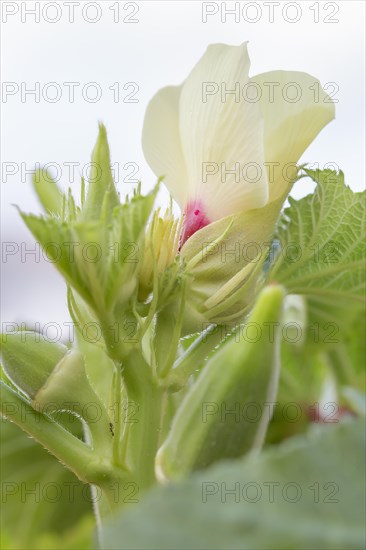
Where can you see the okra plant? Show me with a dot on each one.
(193, 333)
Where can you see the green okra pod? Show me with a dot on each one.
(228, 409)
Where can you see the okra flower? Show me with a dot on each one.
(196, 133)
(227, 145)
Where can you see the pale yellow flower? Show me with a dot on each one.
(227, 145)
(227, 142)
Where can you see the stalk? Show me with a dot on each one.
(69, 450)
(145, 434)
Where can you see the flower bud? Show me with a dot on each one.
(225, 260)
(161, 248)
(224, 414)
(29, 359)
(50, 374)
(67, 384)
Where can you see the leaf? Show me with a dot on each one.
(304, 377)
(322, 258)
(322, 254)
(351, 353)
(38, 494)
(80, 536)
(316, 501)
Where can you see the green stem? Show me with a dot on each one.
(87, 464)
(143, 438)
(72, 452)
(140, 440)
(100, 431)
(144, 434)
(118, 413)
(193, 357)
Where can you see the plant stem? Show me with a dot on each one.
(193, 357)
(143, 438)
(144, 434)
(87, 464)
(100, 432)
(72, 452)
(118, 413)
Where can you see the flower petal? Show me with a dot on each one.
(221, 133)
(161, 141)
(295, 108)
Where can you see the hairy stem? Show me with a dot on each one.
(72, 452)
(144, 434)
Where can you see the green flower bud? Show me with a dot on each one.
(68, 389)
(215, 419)
(225, 261)
(47, 372)
(54, 378)
(67, 383)
(29, 359)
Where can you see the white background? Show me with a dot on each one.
(160, 49)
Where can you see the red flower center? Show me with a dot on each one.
(194, 219)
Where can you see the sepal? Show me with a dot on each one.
(102, 195)
(48, 192)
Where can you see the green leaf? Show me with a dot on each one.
(322, 254)
(39, 495)
(349, 356)
(316, 501)
(80, 536)
(304, 377)
(318, 379)
(322, 258)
